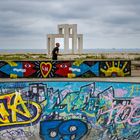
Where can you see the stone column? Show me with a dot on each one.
(48, 45)
(52, 44)
(80, 44)
(74, 38)
(66, 38)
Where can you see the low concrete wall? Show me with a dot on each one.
(69, 110)
(63, 69)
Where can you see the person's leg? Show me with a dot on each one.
(54, 58)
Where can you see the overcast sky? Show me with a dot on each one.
(104, 23)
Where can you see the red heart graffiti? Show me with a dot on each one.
(45, 68)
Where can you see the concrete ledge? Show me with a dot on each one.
(116, 79)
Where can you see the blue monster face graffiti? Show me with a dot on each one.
(66, 130)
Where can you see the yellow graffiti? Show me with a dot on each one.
(13, 105)
(135, 88)
(11, 63)
(13, 76)
(115, 69)
(71, 75)
(78, 62)
(45, 68)
(4, 114)
(44, 103)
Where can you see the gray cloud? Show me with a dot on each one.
(33, 19)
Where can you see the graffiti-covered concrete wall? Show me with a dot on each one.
(69, 111)
(60, 69)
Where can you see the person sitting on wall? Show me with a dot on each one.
(55, 51)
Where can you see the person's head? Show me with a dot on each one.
(57, 44)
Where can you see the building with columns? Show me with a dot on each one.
(66, 31)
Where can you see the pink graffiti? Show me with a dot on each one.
(108, 97)
(123, 114)
(65, 92)
(120, 92)
(135, 100)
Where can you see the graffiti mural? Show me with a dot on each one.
(71, 69)
(115, 68)
(16, 111)
(59, 129)
(70, 110)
